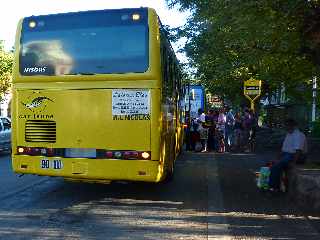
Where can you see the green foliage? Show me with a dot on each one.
(6, 62)
(232, 41)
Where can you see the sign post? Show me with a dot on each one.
(252, 90)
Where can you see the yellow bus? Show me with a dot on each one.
(96, 97)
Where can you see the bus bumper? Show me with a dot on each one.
(90, 169)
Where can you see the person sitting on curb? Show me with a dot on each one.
(294, 149)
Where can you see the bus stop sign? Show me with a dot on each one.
(252, 88)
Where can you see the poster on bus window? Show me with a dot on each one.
(130, 102)
(196, 100)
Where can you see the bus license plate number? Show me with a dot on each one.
(51, 164)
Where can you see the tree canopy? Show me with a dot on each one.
(6, 62)
(271, 40)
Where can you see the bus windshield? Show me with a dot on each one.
(98, 42)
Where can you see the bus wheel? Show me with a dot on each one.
(169, 172)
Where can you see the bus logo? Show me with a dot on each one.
(37, 103)
(35, 69)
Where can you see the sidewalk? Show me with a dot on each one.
(218, 228)
(304, 186)
(238, 210)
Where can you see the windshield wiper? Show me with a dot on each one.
(84, 73)
(80, 73)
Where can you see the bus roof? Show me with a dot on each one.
(124, 10)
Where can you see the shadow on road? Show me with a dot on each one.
(62, 210)
(180, 209)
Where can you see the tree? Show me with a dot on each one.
(6, 62)
(232, 41)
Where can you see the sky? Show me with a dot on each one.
(14, 10)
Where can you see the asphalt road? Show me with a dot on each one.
(211, 197)
(11, 183)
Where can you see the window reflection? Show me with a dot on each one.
(46, 58)
(91, 50)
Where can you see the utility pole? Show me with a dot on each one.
(188, 120)
(314, 98)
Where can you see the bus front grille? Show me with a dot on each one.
(40, 131)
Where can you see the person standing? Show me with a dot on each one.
(192, 134)
(238, 128)
(210, 123)
(247, 124)
(221, 127)
(203, 131)
(253, 129)
(229, 127)
(216, 132)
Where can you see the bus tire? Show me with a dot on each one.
(169, 173)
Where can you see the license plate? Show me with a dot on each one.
(80, 153)
(56, 164)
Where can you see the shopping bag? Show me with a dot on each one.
(263, 178)
(198, 147)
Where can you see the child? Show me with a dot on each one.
(204, 138)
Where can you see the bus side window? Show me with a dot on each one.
(164, 72)
(177, 82)
(171, 77)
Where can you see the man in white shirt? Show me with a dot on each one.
(201, 116)
(294, 149)
(203, 130)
